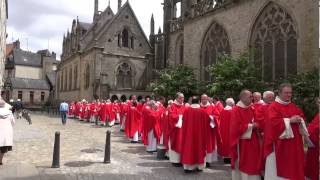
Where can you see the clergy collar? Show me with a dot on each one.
(240, 104)
(195, 106)
(260, 102)
(228, 107)
(206, 105)
(177, 103)
(278, 100)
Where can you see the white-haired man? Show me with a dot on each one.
(262, 111)
(225, 121)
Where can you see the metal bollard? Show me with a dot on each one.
(56, 151)
(107, 150)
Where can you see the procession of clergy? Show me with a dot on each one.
(263, 138)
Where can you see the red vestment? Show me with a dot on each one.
(93, 109)
(289, 153)
(151, 121)
(102, 112)
(175, 133)
(312, 157)
(133, 121)
(214, 137)
(194, 132)
(225, 125)
(250, 148)
(164, 125)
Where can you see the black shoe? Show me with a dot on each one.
(1, 164)
(176, 164)
(134, 142)
(199, 170)
(208, 165)
(187, 171)
(227, 160)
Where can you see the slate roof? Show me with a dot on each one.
(26, 58)
(36, 84)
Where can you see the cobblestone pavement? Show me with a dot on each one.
(82, 152)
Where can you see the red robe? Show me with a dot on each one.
(102, 112)
(261, 115)
(133, 121)
(312, 157)
(71, 110)
(289, 152)
(151, 121)
(77, 110)
(194, 133)
(214, 137)
(93, 109)
(219, 106)
(225, 125)
(164, 124)
(108, 112)
(250, 149)
(175, 134)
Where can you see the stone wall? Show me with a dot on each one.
(28, 72)
(26, 96)
(238, 20)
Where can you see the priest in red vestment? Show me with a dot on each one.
(257, 100)
(312, 157)
(245, 142)
(262, 110)
(176, 111)
(283, 144)
(195, 136)
(133, 122)
(218, 104)
(213, 136)
(225, 125)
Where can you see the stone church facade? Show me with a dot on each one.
(112, 57)
(108, 58)
(284, 34)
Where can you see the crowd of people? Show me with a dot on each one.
(262, 135)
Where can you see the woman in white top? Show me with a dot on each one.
(6, 129)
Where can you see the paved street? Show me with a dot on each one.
(82, 152)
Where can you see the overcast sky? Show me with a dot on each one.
(40, 24)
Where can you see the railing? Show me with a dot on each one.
(176, 24)
(205, 6)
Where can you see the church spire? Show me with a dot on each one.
(152, 25)
(96, 9)
(119, 4)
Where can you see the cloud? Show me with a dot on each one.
(40, 24)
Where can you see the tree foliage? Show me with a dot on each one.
(175, 79)
(231, 75)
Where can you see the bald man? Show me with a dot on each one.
(245, 147)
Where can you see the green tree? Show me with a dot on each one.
(175, 79)
(231, 75)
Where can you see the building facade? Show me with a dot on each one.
(283, 34)
(3, 36)
(28, 75)
(112, 57)
(108, 58)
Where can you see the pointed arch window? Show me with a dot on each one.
(274, 40)
(124, 76)
(87, 76)
(215, 44)
(125, 38)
